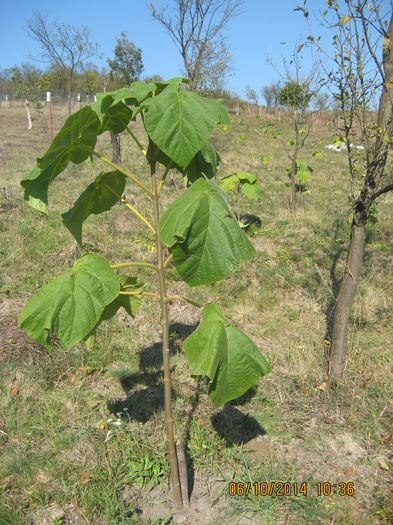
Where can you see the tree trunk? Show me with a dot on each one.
(116, 152)
(69, 94)
(293, 187)
(30, 124)
(345, 297)
(165, 348)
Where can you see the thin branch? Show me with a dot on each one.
(131, 208)
(137, 264)
(135, 139)
(184, 300)
(380, 192)
(162, 180)
(168, 260)
(124, 172)
(146, 294)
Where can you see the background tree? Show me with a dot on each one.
(63, 46)
(195, 27)
(127, 65)
(5, 85)
(295, 95)
(25, 81)
(361, 71)
(88, 82)
(270, 94)
(251, 95)
(322, 101)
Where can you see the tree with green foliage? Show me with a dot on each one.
(26, 85)
(197, 234)
(294, 95)
(126, 66)
(358, 72)
(88, 82)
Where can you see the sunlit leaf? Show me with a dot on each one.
(204, 236)
(225, 355)
(180, 122)
(71, 304)
(75, 142)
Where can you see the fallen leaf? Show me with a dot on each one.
(383, 465)
(101, 424)
(85, 478)
(13, 390)
(329, 421)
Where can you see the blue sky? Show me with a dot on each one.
(256, 33)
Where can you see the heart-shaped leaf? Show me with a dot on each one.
(225, 355)
(180, 122)
(72, 303)
(204, 236)
(75, 142)
(99, 196)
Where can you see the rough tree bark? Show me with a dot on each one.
(116, 151)
(369, 192)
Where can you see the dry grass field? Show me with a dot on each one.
(82, 432)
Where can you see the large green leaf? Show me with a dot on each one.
(252, 191)
(75, 142)
(204, 163)
(99, 196)
(247, 181)
(204, 237)
(225, 355)
(116, 119)
(228, 182)
(180, 122)
(72, 303)
(132, 95)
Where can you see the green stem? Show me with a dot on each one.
(183, 299)
(135, 139)
(165, 346)
(139, 215)
(162, 180)
(130, 264)
(123, 172)
(168, 260)
(147, 294)
(134, 211)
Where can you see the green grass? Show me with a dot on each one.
(58, 443)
